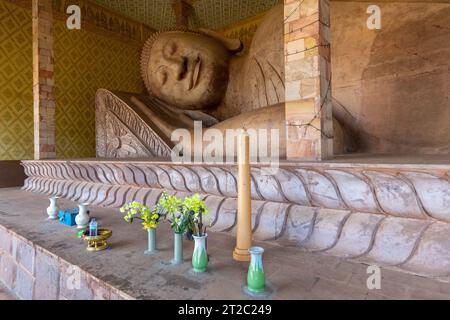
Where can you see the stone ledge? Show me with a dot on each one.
(124, 272)
(32, 272)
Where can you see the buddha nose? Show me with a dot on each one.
(179, 65)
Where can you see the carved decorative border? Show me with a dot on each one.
(107, 102)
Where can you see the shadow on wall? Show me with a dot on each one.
(11, 174)
(404, 89)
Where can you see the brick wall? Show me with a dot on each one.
(308, 80)
(32, 272)
(43, 80)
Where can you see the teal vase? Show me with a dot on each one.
(256, 280)
(178, 249)
(151, 241)
(200, 257)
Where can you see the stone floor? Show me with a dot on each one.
(292, 273)
(5, 294)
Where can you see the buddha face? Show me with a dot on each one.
(188, 70)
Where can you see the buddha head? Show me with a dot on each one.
(188, 69)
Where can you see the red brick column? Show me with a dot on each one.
(43, 80)
(183, 10)
(309, 121)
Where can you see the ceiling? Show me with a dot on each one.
(213, 14)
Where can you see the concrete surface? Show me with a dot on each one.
(292, 273)
(5, 294)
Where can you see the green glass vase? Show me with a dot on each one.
(256, 279)
(178, 249)
(151, 241)
(200, 257)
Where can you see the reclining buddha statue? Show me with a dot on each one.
(197, 76)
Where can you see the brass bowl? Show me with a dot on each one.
(99, 242)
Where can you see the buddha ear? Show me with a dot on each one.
(233, 45)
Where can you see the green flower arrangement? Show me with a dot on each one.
(196, 209)
(173, 207)
(184, 215)
(136, 210)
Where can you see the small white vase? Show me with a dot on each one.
(53, 209)
(82, 218)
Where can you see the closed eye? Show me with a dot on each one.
(162, 75)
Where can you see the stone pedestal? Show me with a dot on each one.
(387, 214)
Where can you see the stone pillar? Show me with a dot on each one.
(309, 121)
(43, 80)
(183, 10)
